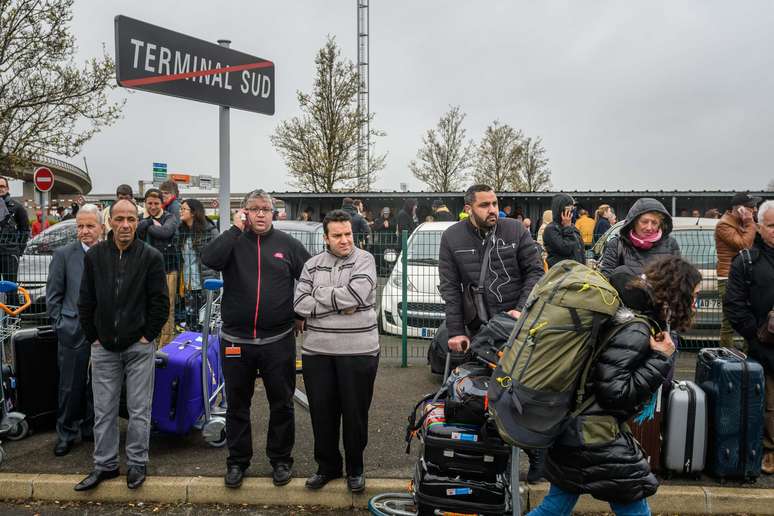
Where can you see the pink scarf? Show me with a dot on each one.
(644, 243)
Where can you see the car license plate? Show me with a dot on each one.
(708, 304)
(427, 333)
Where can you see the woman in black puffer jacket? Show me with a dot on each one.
(644, 236)
(597, 454)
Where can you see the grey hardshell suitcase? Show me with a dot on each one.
(685, 436)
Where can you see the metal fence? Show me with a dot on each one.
(409, 305)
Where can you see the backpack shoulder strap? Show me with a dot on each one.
(596, 324)
(581, 404)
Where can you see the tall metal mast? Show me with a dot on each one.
(363, 103)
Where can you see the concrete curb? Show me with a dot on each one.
(261, 491)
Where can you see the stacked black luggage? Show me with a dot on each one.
(463, 464)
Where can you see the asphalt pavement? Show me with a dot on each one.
(397, 390)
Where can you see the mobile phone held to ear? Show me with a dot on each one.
(242, 216)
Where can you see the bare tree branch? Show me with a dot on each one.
(536, 175)
(445, 157)
(47, 104)
(498, 158)
(320, 146)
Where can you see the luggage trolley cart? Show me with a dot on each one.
(213, 423)
(13, 425)
(402, 504)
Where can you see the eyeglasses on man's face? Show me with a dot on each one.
(259, 211)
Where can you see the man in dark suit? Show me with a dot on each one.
(76, 413)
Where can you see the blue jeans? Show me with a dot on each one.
(560, 503)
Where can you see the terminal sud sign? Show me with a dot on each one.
(152, 58)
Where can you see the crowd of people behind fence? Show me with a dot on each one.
(275, 290)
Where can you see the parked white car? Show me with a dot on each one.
(425, 307)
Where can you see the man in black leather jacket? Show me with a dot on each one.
(514, 263)
(514, 268)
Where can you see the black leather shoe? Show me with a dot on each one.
(234, 476)
(282, 474)
(62, 448)
(356, 483)
(318, 481)
(95, 478)
(135, 476)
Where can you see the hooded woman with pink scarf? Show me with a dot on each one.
(645, 235)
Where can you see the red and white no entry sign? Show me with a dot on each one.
(44, 179)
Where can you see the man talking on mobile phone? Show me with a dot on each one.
(735, 231)
(563, 241)
(260, 266)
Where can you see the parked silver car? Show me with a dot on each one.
(310, 234)
(34, 263)
(696, 237)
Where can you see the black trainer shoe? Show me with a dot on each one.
(318, 481)
(282, 474)
(234, 476)
(356, 483)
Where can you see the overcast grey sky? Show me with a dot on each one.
(626, 95)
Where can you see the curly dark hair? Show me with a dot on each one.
(671, 281)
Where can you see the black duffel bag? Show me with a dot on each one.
(490, 339)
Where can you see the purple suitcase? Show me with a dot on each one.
(177, 392)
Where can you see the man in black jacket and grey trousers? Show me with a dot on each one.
(122, 307)
(514, 267)
(260, 266)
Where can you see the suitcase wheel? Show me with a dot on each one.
(19, 431)
(220, 442)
